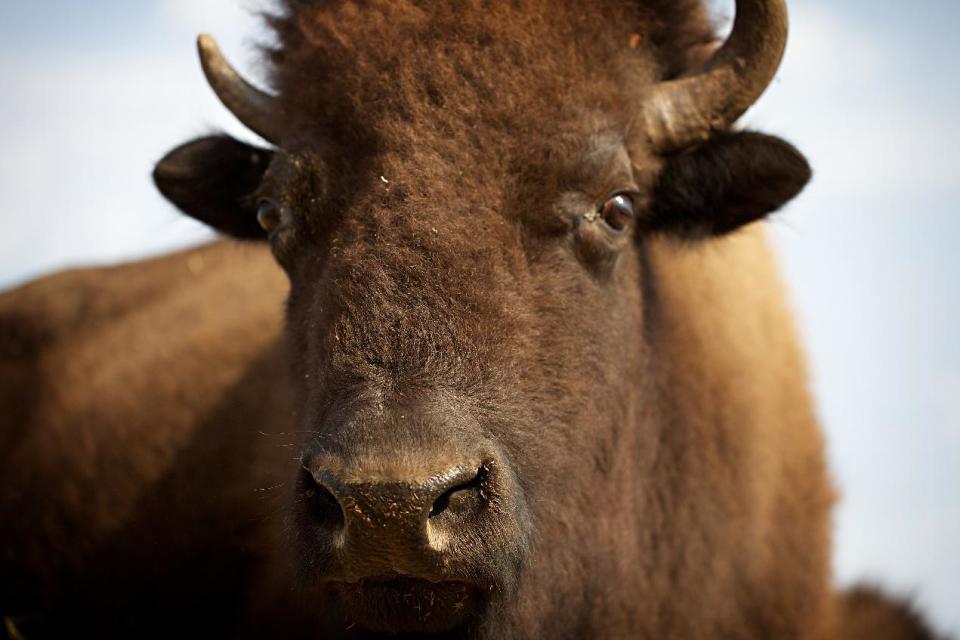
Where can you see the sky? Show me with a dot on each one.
(96, 92)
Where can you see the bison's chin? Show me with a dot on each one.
(395, 605)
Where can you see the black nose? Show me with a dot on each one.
(378, 522)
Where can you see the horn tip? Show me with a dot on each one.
(206, 43)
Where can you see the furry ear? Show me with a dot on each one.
(729, 181)
(213, 180)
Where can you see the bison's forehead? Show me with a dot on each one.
(448, 136)
(474, 73)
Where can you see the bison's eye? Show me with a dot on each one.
(618, 211)
(268, 215)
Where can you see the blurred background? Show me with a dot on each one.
(96, 91)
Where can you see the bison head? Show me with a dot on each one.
(464, 197)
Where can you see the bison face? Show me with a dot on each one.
(471, 295)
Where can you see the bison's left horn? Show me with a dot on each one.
(252, 107)
(690, 109)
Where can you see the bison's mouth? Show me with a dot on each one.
(399, 604)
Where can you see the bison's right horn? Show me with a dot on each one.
(252, 107)
(690, 109)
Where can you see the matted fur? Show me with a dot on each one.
(469, 75)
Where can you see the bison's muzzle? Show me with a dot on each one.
(443, 532)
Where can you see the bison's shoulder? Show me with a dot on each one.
(61, 305)
(108, 378)
(99, 331)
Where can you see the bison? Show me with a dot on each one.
(535, 376)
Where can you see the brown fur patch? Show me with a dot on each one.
(865, 612)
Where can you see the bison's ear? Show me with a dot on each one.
(213, 179)
(732, 180)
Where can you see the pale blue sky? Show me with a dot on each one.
(96, 91)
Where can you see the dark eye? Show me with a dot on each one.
(618, 212)
(268, 215)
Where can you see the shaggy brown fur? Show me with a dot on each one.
(867, 613)
(132, 471)
(659, 471)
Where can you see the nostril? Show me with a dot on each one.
(321, 503)
(463, 492)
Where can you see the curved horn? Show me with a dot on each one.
(690, 109)
(252, 107)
